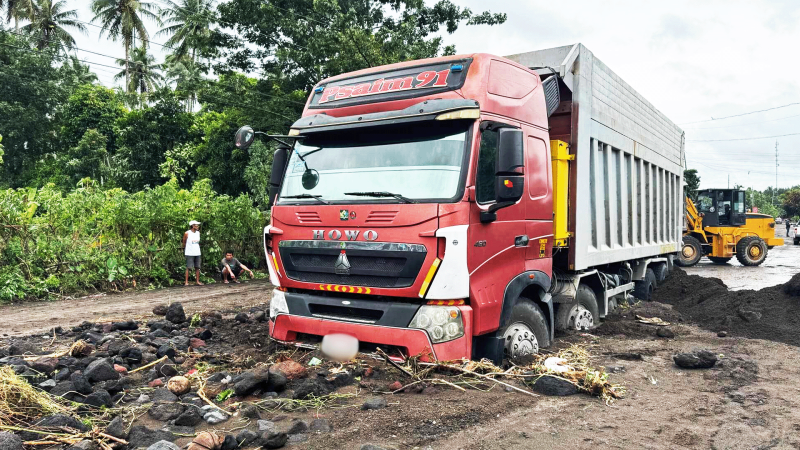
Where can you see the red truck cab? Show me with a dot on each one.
(415, 211)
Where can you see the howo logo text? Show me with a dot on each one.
(350, 235)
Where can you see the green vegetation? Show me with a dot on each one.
(91, 238)
(97, 184)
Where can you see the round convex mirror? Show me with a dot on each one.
(310, 179)
(244, 137)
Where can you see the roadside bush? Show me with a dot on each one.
(90, 239)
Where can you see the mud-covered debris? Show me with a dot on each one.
(664, 332)
(699, 359)
(274, 440)
(160, 310)
(320, 426)
(163, 445)
(374, 403)
(554, 386)
(10, 441)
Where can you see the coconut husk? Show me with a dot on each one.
(206, 441)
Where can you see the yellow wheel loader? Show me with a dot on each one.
(719, 228)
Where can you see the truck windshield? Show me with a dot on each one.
(422, 163)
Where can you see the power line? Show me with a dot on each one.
(742, 139)
(743, 124)
(740, 115)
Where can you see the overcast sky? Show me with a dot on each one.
(693, 60)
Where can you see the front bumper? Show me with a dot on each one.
(390, 329)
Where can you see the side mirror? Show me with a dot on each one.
(310, 179)
(244, 137)
(509, 183)
(279, 161)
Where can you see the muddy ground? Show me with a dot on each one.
(749, 400)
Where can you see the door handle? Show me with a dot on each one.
(521, 241)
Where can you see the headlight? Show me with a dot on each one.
(277, 305)
(442, 323)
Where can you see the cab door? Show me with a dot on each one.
(497, 249)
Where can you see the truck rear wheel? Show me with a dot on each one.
(582, 314)
(690, 253)
(751, 251)
(643, 289)
(527, 331)
(660, 269)
(718, 260)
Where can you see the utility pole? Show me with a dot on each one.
(774, 191)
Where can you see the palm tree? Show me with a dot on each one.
(77, 72)
(123, 19)
(141, 71)
(187, 77)
(48, 22)
(17, 10)
(188, 24)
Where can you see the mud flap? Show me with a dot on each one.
(489, 346)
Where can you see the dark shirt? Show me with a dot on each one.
(234, 264)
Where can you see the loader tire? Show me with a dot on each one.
(690, 253)
(643, 289)
(751, 251)
(581, 314)
(718, 260)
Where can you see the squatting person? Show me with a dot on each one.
(191, 249)
(231, 267)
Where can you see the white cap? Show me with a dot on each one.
(193, 222)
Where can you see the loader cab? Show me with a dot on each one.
(722, 207)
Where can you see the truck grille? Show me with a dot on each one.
(372, 264)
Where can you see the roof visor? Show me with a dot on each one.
(391, 85)
(437, 109)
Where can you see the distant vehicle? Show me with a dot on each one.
(794, 233)
(778, 220)
(718, 228)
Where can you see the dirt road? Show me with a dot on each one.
(29, 318)
(750, 400)
(781, 263)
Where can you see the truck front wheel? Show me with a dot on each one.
(582, 314)
(527, 330)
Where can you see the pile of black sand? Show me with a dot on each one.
(771, 313)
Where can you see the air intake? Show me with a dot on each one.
(551, 95)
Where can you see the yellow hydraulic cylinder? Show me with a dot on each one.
(559, 151)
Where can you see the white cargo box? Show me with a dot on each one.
(626, 195)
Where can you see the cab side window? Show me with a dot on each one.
(487, 161)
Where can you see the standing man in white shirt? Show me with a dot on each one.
(191, 249)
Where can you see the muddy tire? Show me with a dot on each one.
(796, 241)
(643, 289)
(526, 319)
(582, 314)
(751, 251)
(718, 260)
(661, 272)
(690, 253)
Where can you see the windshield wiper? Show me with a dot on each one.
(382, 194)
(315, 197)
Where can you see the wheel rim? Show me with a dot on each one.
(688, 252)
(755, 251)
(520, 340)
(580, 318)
